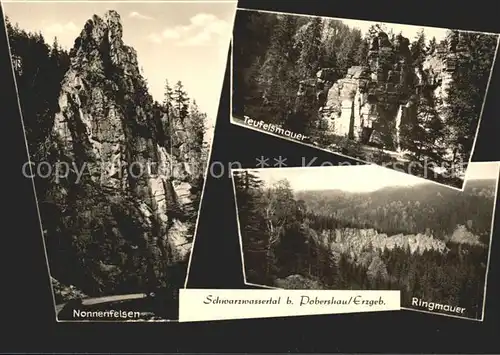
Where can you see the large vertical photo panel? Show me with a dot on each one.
(118, 103)
(370, 228)
(392, 94)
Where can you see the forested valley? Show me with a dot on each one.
(421, 97)
(426, 240)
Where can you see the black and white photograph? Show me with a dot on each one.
(395, 95)
(365, 227)
(118, 103)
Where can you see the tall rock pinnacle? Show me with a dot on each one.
(107, 128)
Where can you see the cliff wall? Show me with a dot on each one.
(371, 103)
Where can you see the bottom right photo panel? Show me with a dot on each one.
(365, 227)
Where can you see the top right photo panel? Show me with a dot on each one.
(405, 97)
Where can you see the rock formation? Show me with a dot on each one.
(134, 192)
(354, 241)
(371, 102)
(363, 246)
(298, 282)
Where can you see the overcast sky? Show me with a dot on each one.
(359, 178)
(181, 40)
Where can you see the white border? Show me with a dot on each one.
(403, 308)
(233, 119)
(29, 156)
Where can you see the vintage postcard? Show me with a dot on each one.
(369, 228)
(118, 102)
(404, 97)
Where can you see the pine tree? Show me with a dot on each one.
(432, 47)
(168, 96)
(255, 28)
(248, 192)
(279, 208)
(310, 49)
(195, 126)
(330, 42)
(180, 102)
(343, 47)
(55, 48)
(347, 55)
(168, 117)
(39, 71)
(176, 118)
(375, 29)
(418, 52)
(362, 52)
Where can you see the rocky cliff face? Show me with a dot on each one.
(354, 241)
(370, 103)
(133, 193)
